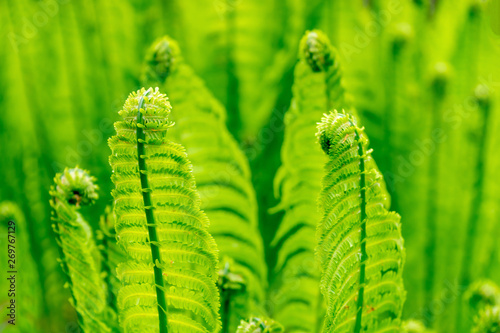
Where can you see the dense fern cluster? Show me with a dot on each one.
(277, 166)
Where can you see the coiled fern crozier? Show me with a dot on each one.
(360, 247)
(317, 88)
(73, 189)
(169, 278)
(223, 180)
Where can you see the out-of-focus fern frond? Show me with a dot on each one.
(169, 278)
(222, 174)
(414, 326)
(488, 321)
(360, 247)
(71, 190)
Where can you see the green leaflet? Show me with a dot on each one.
(71, 190)
(27, 292)
(317, 88)
(360, 247)
(223, 177)
(260, 325)
(170, 272)
(111, 255)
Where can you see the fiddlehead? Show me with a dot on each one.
(72, 189)
(360, 247)
(171, 257)
(223, 180)
(317, 87)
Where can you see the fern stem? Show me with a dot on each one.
(148, 209)
(362, 268)
(472, 223)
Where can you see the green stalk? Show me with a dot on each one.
(478, 191)
(362, 268)
(148, 208)
(438, 92)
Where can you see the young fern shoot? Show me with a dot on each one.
(317, 88)
(360, 247)
(223, 180)
(169, 277)
(72, 189)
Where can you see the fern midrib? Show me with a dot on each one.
(362, 267)
(148, 209)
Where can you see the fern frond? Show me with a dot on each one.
(360, 247)
(18, 260)
(222, 175)
(317, 87)
(72, 189)
(171, 257)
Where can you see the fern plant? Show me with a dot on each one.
(360, 247)
(317, 88)
(223, 180)
(169, 277)
(73, 189)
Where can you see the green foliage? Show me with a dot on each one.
(414, 326)
(222, 175)
(72, 189)
(168, 279)
(317, 88)
(423, 77)
(360, 247)
(258, 325)
(488, 321)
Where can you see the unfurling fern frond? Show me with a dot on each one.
(360, 247)
(222, 174)
(24, 315)
(71, 190)
(317, 87)
(169, 278)
(260, 325)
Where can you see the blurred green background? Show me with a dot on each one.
(424, 75)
